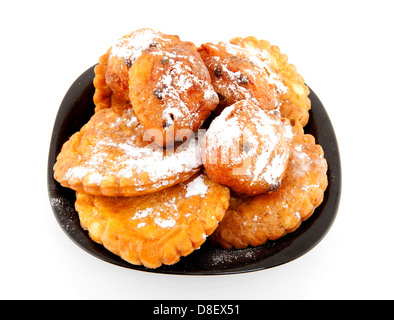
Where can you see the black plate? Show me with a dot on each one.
(76, 109)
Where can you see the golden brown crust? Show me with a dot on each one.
(159, 228)
(102, 94)
(254, 220)
(171, 92)
(112, 156)
(246, 149)
(295, 104)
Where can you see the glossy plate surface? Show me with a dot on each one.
(76, 109)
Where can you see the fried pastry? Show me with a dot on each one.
(103, 93)
(236, 76)
(136, 166)
(254, 220)
(125, 51)
(112, 155)
(290, 88)
(158, 228)
(246, 148)
(171, 92)
(247, 68)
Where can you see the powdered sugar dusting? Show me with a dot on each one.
(222, 132)
(269, 164)
(124, 157)
(132, 46)
(176, 81)
(228, 135)
(197, 187)
(261, 59)
(142, 213)
(164, 212)
(262, 68)
(302, 163)
(165, 223)
(164, 216)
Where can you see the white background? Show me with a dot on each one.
(344, 49)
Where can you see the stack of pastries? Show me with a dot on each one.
(193, 142)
